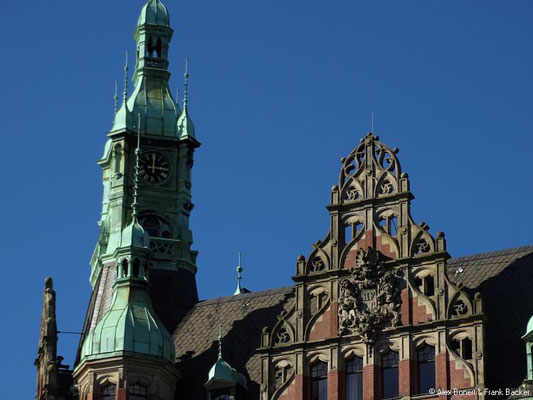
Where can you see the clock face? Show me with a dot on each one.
(153, 167)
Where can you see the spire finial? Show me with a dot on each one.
(116, 96)
(239, 269)
(219, 341)
(126, 69)
(371, 122)
(186, 84)
(136, 172)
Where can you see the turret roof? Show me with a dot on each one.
(154, 13)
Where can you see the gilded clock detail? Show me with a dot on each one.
(154, 167)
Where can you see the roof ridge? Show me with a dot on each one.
(260, 293)
(491, 254)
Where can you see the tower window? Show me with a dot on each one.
(124, 266)
(354, 379)
(150, 47)
(389, 374)
(319, 381)
(107, 392)
(425, 358)
(137, 392)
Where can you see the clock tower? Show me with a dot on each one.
(151, 118)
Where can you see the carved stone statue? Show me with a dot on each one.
(370, 299)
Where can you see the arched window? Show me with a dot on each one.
(319, 381)
(354, 379)
(137, 392)
(107, 392)
(425, 360)
(389, 374)
(155, 225)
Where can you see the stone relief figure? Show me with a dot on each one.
(370, 299)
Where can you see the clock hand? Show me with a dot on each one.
(153, 162)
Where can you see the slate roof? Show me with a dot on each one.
(478, 268)
(243, 317)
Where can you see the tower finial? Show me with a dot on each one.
(186, 84)
(219, 341)
(371, 122)
(136, 172)
(116, 96)
(239, 269)
(126, 69)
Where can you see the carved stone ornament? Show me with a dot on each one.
(370, 299)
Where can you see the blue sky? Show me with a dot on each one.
(279, 92)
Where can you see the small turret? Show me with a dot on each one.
(223, 379)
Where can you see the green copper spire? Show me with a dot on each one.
(151, 95)
(126, 74)
(185, 125)
(123, 117)
(239, 269)
(115, 98)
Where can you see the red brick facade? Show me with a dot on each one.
(373, 240)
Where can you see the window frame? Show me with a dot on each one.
(425, 359)
(317, 380)
(384, 368)
(105, 386)
(357, 372)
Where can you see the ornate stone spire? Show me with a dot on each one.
(46, 361)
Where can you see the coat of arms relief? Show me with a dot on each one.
(370, 298)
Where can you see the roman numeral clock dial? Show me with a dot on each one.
(154, 167)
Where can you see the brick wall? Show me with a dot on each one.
(370, 375)
(368, 240)
(122, 394)
(412, 313)
(326, 325)
(459, 377)
(407, 375)
(334, 385)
